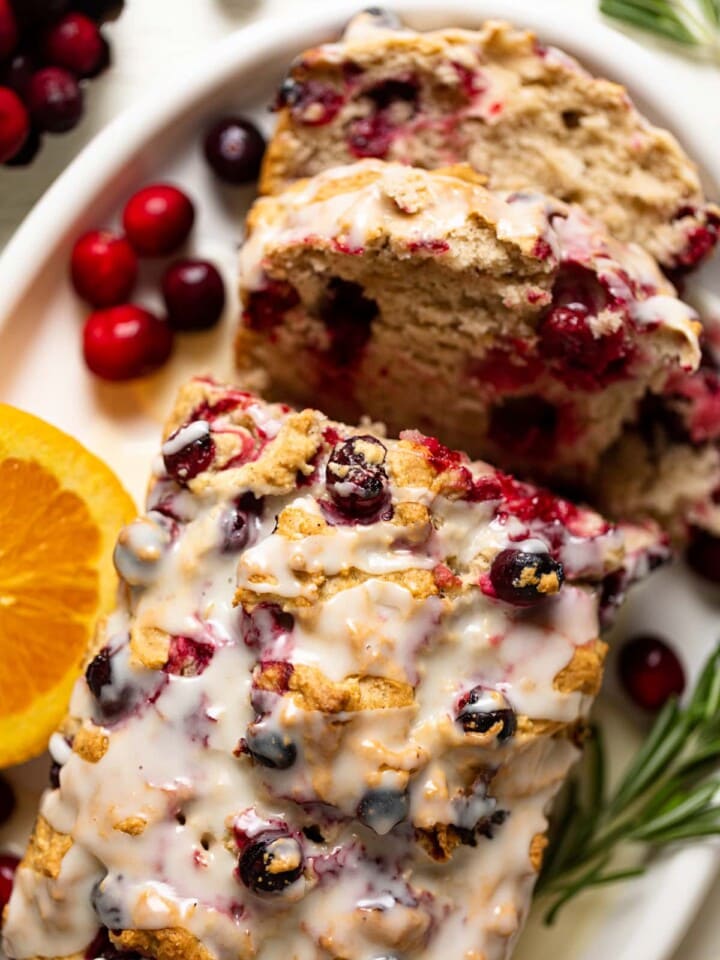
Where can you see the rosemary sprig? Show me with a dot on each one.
(670, 792)
(692, 23)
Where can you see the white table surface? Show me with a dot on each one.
(149, 42)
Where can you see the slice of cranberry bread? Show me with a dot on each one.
(344, 681)
(509, 325)
(667, 465)
(526, 115)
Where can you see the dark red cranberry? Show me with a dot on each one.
(124, 342)
(27, 152)
(259, 871)
(348, 316)
(189, 451)
(235, 523)
(158, 219)
(7, 800)
(270, 748)
(8, 30)
(703, 555)
(32, 13)
(188, 657)
(8, 866)
(355, 476)
(74, 42)
(234, 148)
(112, 700)
(54, 775)
(266, 308)
(14, 124)
(381, 810)
(18, 72)
(312, 103)
(103, 268)
(524, 578)
(55, 100)
(481, 709)
(577, 357)
(527, 426)
(700, 240)
(194, 295)
(99, 10)
(370, 136)
(650, 671)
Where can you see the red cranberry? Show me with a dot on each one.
(270, 865)
(235, 522)
(111, 698)
(18, 72)
(158, 219)
(370, 136)
(32, 13)
(27, 152)
(348, 316)
(234, 148)
(703, 555)
(123, 342)
(75, 43)
(524, 578)
(7, 800)
(99, 673)
(381, 810)
(355, 476)
(650, 672)
(188, 451)
(481, 709)
(54, 775)
(8, 30)
(194, 295)
(14, 124)
(581, 360)
(8, 866)
(313, 103)
(526, 426)
(188, 657)
(266, 308)
(270, 748)
(103, 268)
(55, 100)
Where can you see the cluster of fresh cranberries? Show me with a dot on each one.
(122, 340)
(48, 49)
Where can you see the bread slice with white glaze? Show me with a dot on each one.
(509, 325)
(346, 676)
(526, 115)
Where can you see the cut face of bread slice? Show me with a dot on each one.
(667, 464)
(345, 679)
(509, 325)
(525, 115)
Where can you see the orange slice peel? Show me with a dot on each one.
(60, 512)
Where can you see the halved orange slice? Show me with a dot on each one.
(60, 511)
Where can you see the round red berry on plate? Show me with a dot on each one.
(14, 124)
(103, 268)
(650, 671)
(8, 29)
(75, 43)
(158, 219)
(124, 342)
(234, 148)
(194, 294)
(8, 866)
(55, 100)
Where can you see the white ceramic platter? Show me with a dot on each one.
(41, 368)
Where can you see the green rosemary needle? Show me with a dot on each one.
(669, 792)
(692, 23)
